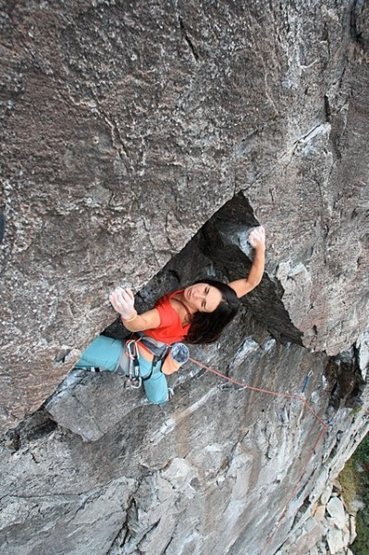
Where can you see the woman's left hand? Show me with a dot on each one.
(257, 237)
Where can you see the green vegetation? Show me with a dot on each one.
(361, 457)
(347, 481)
(354, 480)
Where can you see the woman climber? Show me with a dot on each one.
(196, 314)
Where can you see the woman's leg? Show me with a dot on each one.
(156, 387)
(104, 353)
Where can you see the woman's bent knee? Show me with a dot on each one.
(156, 388)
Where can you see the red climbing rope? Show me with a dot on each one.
(301, 398)
(244, 385)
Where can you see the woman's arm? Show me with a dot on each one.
(146, 321)
(244, 286)
(123, 301)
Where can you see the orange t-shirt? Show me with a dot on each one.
(170, 329)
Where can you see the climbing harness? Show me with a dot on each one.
(173, 356)
(156, 348)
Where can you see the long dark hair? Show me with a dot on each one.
(206, 327)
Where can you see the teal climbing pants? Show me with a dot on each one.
(104, 353)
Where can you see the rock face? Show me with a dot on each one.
(326, 526)
(140, 141)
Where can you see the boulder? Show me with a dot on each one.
(337, 511)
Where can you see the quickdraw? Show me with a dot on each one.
(134, 364)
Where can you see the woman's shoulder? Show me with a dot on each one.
(167, 298)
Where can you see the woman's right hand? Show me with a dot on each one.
(123, 301)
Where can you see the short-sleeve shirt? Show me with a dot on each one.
(170, 329)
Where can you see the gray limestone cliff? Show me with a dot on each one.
(139, 143)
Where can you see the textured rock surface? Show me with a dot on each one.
(125, 127)
(346, 431)
(208, 462)
(328, 530)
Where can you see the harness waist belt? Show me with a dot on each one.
(157, 348)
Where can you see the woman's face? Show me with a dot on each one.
(202, 297)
